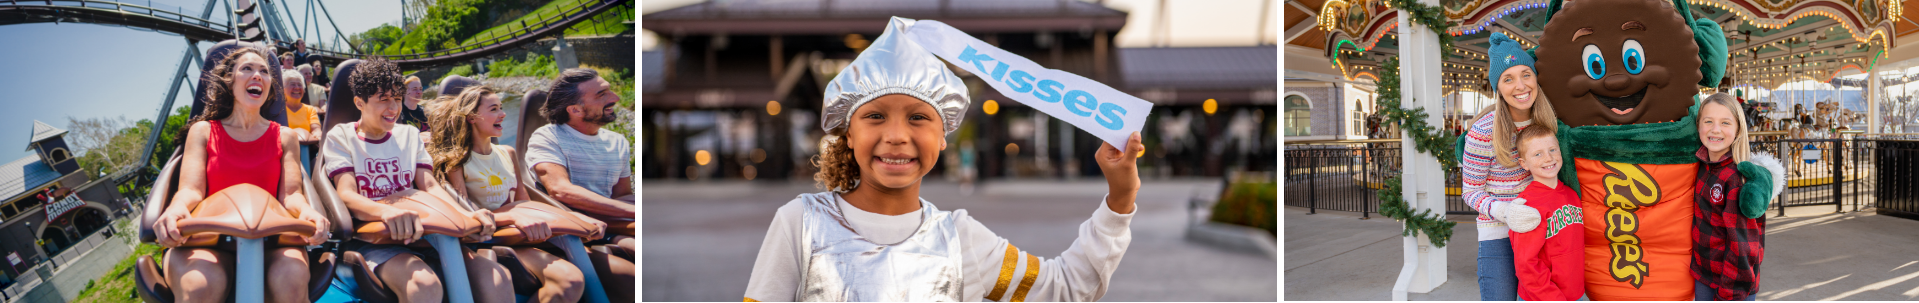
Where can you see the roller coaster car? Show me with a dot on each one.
(445, 223)
(248, 213)
(452, 84)
(530, 120)
(568, 234)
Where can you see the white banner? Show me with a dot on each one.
(1105, 112)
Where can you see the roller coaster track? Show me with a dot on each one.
(201, 29)
(113, 13)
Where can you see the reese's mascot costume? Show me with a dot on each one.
(1621, 77)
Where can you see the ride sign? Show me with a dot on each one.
(1094, 107)
(66, 204)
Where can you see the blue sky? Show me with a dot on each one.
(49, 72)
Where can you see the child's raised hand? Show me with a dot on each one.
(1122, 173)
(1121, 167)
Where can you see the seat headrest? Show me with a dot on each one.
(452, 84)
(319, 69)
(274, 110)
(340, 107)
(530, 118)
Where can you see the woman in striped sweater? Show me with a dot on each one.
(1492, 179)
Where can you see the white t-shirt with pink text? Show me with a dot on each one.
(382, 166)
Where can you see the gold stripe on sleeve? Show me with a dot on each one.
(1025, 284)
(749, 300)
(1005, 272)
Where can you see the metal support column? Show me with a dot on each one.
(160, 120)
(289, 11)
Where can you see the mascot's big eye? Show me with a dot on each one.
(1595, 64)
(1635, 56)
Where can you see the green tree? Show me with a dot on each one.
(376, 39)
(106, 144)
(169, 138)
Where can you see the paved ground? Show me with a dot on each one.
(701, 238)
(1813, 255)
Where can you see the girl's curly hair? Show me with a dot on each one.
(838, 172)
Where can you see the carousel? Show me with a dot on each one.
(1776, 48)
(1799, 66)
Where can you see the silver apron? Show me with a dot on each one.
(841, 265)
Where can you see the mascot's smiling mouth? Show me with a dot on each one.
(1624, 104)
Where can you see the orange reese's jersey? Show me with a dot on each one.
(1638, 229)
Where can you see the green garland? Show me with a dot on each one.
(1426, 139)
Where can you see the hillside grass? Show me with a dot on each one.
(117, 284)
(540, 66)
(451, 24)
(445, 20)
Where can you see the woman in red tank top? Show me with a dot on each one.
(231, 144)
(254, 162)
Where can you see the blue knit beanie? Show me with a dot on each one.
(1504, 54)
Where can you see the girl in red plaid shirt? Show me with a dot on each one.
(1728, 236)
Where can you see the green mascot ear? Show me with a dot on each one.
(1712, 45)
(1712, 51)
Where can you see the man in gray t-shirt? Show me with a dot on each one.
(582, 165)
(579, 163)
(596, 162)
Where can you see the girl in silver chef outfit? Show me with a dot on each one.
(873, 238)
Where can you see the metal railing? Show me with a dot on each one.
(33, 276)
(1895, 159)
(1844, 172)
(120, 10)
(80, 248)
(543, 24)
(1347, 176)
(1824, 172)
(179, 21)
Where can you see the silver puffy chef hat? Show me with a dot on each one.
(893, 64)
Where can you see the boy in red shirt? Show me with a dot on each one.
(1549, 260)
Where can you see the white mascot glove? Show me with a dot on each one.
(1517, 215)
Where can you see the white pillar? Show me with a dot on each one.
(1425, 189)
(1873, 94)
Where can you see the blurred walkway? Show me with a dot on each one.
(1814, 255)
(701, 238)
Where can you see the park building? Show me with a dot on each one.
(51, 212)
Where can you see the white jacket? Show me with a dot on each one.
(993, 269)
